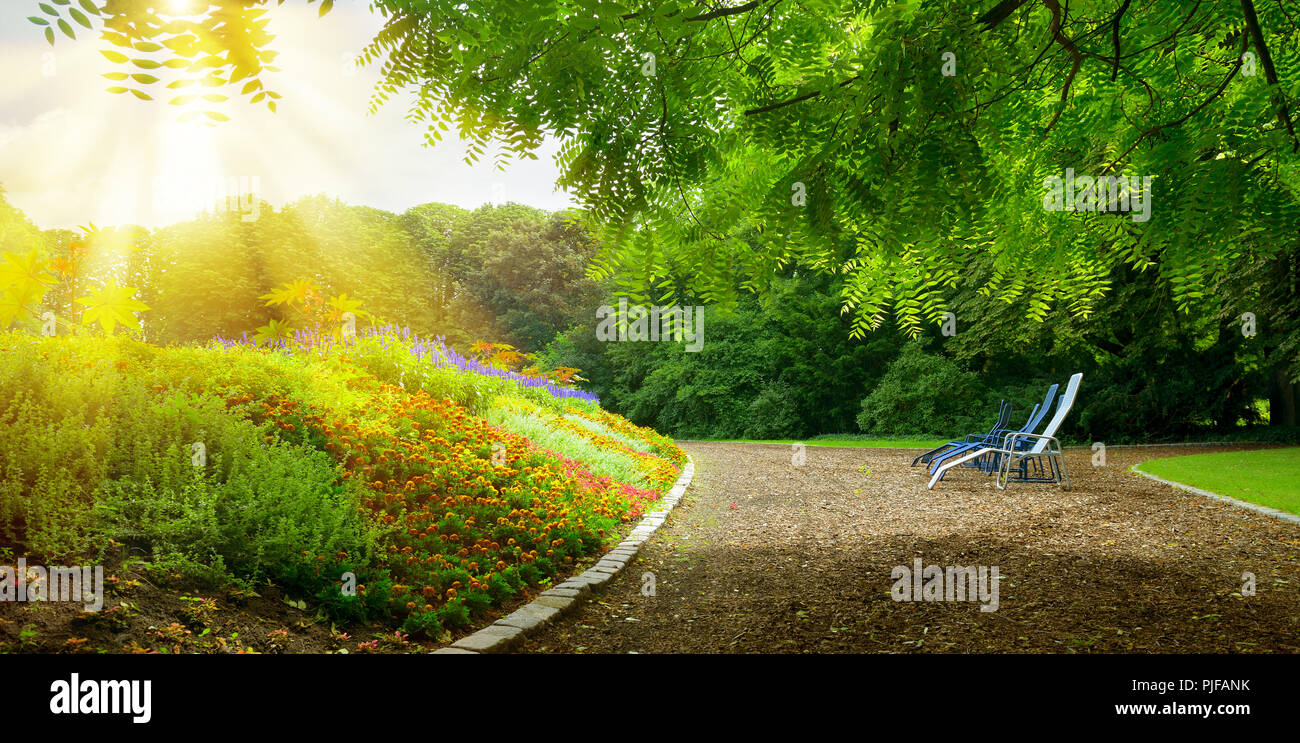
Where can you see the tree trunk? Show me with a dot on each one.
(1281, 400)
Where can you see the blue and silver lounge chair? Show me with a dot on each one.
(999, 428)
(1035, 417)
(1021, 449)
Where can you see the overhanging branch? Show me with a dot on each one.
(1270, 74)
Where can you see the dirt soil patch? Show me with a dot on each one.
(165, 614)
(763, 556)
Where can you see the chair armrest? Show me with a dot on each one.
(1014, 439)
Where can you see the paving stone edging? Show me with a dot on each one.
(551, 604)
(1257, 508)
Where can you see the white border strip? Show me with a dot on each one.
(1257, 508)
(506, 632)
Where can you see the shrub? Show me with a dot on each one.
(922, 393)
(257, 509)
(774, 414)
(56, 424)
(315, 466)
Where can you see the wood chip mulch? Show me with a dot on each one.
(766, 557)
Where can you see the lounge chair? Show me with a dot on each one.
(1004, 417)
(1031, 424)
(1021, 449)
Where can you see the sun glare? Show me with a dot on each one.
(187, 176)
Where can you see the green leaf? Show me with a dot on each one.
(113, 304)
(271, 332)
(66, 28)
(10, 306)
(79, 17)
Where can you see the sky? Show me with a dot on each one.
(71, 153)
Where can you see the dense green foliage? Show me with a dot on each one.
(500, 273)
(233, 463)
(787, 369)
(922, 392)
(91, 453)
(902, 151)
(776, 369)
(686, 124)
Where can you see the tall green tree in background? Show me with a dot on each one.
(432, 227)
(506, 273)
(208, 282)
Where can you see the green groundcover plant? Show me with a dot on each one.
(374, 493)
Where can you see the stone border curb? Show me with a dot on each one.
(1280, 515)
(551, 604)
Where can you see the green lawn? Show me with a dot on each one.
(1269, 477)
(875, 443)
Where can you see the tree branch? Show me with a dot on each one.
(1178, 122)
(782, 104)
(1061, 39)
(1270, 74)
(705, 17)
(796, 99)
(1114, 72)
(999, 13)
(720, 12)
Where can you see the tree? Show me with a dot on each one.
(886, 141)
(432, 226)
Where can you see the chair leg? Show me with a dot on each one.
(1004, 471)
(943, 468)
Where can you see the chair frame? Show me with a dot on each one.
(998, 429)
(1045, 450)
(1036, 417)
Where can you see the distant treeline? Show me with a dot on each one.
(507, 273)
(783, 366)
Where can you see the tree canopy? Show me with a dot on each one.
(894, 143)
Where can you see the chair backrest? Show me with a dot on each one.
(1062, 409)
(1033, 416)
(1040, 411)
(1004, 416)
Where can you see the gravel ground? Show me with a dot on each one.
(766, 557)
